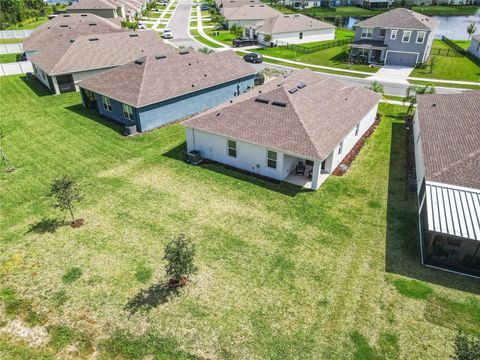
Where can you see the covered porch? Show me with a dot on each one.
(368, 52)
(306, 173)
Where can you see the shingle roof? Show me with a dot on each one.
(450, 131)
(58, 31)
(235, 3)
(288, 23)
(250, 12)
(315, 118)
(98, 51)
(157, 79)
(92, 5)
(476, 37)
(400, 18)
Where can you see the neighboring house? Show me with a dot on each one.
(374, 4)
(419, 2)
(396, 37)
(447, 156)
(474, 47)
(293, 29)
(305, 121)
(223, 4)
(59, 31)
(60, 69)
(112, 9)
(155, 90)
(302, 4)
(248, 14)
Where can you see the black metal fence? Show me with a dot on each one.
(311, 49)
(445, 52)
(455, 47)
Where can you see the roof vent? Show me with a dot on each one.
(301, 85)
(63, 25)
(139, 61)
(158, 57)
(262, 100)
(279, 103)
(66, 15)
(293, 90)
(193, 85)
(92, 24)
(433, 105)
(83, 14)
(133, 35)
(72, 40)
(218, 114)
(93, 39)
(205, 75)
(183, 52)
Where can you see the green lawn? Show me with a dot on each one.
(11, 41)
(193, 23)
(154, 15)
(283, 273)
(29, 25)
(197, 36)
(439, 84)
(446, 10)
(8, 58)
(224, 36)
(167, 16)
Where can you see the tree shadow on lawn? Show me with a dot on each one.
(37, 87)
(178, 153)
(95, 116)
(402, 236)
(152, 297)
(45, 225)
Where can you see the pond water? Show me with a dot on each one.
(453, 27)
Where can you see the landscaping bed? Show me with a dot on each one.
(8, 58)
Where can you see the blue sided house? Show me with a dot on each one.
(158, 89)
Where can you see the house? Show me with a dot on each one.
(374, 4)
(293, 29)
(396, 37)
(223, 4)
(474, 47)
(158, 89)
(59, 31)
(296, 128)
(447, 158)
(248, 14)
(302, 4)
(61, 68)
(112, 9)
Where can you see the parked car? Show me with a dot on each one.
(205, 7)
(243, 42)
(253, 58)
(162, 2)
(142, 26)
(167, 34)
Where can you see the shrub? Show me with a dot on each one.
(64, 190)
(179, 254)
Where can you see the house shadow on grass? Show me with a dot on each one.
(37, 87)
(93, 115)
(152, 297)
(178, 153)
(45, 225)
(402, 235)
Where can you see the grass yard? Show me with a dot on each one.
(283, 273)
(446, 10)
(224, 36)
(193, 23)
(154, 15)
(439, 84)
(200, 38)
(8, 58)
(11, 41)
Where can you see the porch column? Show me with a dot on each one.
(55, 89)
(316, 174)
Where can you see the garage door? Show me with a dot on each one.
(403, 59)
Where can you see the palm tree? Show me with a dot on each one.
(413, 91)
(471, 28)
(378, 88)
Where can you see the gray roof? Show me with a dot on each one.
(92, 5)
(314, 119)
(250, 12)
(235, 3)
(476, 37)
(155, 78)
(99, 51)
(57, 32)
(450, 130)
(288, 23)
(400, 18)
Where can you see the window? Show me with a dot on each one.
(340, 148)
(393, 35)
(106, 103)
(382, 32)
(367, 33)
(127, 112)
(272, 159)
(357, 129)
(232, 148)
(363, 52)
(300, 36)
(406, 36)
(421, 37)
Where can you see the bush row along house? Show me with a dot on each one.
(447, 156)
(117, 10)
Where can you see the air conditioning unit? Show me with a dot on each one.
(130, 130)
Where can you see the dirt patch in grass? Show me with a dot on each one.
(34, 336)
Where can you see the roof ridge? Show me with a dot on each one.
(142, 82)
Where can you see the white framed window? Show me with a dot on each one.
(421, 37)
(393, 35)
(127, 112)
(367, 33)
(357, 129)
(272, 159)
(232, 148)
(406, 36)
(106, 103)
(340, 148)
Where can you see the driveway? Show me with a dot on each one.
(393, 74)
(179, 24)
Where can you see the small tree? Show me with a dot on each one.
(413, 91)
(3, 158)
(179, 254)
(236, 30)
(267, 38)
(64, 190)
(471, 28)
(432, 64)
(378, 88)
(466, 347)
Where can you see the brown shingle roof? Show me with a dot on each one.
(400, 18)
(92, 5)
(58, 31)
(250, 12)
(155, 80)
(450, 131)
(99, 51)
(235, 3)
(288, 23)
(314, 120)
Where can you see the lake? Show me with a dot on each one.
(453, 27)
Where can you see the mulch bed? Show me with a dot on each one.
(343, 167)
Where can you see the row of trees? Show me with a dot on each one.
(16, 11)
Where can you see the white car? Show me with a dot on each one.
(163, 3)
(142, 26)
(167, 34)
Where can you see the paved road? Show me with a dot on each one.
(179, 24)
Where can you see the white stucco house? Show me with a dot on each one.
(296, 128)
(292, 29)
(247, 14)
(474, 47)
